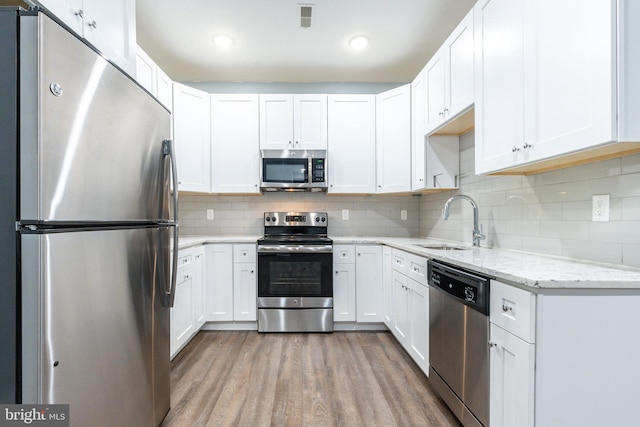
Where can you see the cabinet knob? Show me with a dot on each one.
(526, 145)
(514, 149)
(336, 271)
(492, 344)
(93, 24)
(290, 142)
(441, 113)
(251, 271)
(79, 13)
(297, 142)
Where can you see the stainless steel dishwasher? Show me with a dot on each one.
(458, 341)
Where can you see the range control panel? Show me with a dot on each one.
(295, 219)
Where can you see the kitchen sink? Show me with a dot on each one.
(441, 247)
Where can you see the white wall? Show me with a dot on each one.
(548, 213)
(243, 215)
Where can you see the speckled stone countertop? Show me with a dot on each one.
(525, 269)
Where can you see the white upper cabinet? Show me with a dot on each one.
(559, 86)
(235, 157)
(418, 131)
(352, 144)
(449, 78)
(107, 25)
(191, 133)
(393, 140)
(443, 162)
(153, 79)
(293, 122)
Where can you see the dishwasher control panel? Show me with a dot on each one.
(467, 287)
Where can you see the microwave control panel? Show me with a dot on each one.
(317, 170)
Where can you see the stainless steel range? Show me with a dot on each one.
(295, 280)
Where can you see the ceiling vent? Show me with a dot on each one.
(305, 16)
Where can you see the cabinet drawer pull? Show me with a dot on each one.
(514, 149)
(506, 308)
(492, 344)
(93, 24)
(79, 13)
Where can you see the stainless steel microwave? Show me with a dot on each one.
(294, 170)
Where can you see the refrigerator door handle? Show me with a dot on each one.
(167, 150)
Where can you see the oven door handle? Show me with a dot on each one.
(296, 249)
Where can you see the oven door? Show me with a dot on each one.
(295, 277)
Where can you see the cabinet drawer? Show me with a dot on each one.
(185, 257)
(244, 253)
(513, 309)
(344, 254)
(417, 268)
(399, 261)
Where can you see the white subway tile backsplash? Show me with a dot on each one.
(548, 212)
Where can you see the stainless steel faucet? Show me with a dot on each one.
(477, 229)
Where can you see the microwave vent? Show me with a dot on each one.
(305, 16)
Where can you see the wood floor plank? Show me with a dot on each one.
(242, 378)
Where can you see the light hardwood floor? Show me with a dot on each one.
(243, 378)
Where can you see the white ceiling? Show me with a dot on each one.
(270, 45)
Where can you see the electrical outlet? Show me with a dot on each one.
(345, 214)
(209, 214)
(403, 214)
(600, 210)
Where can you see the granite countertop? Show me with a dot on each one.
(525, 269)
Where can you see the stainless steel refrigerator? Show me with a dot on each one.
(87, 221)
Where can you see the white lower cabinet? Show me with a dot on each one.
(369, 283)
(219, 283)
(187, 314)
(512, 355)
(231, 282)
(245, 283)
(387, 287)
(344, 283)
(511, 379)
(410, 313)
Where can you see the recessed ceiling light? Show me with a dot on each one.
(223, 41)
(358, 42)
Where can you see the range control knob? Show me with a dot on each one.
(317, 219)
(273, 218)
(268, 219)
(324, 219)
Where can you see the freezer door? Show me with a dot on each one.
(91, 138)
(95, 333)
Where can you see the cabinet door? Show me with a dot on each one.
(276, 122)
(393, 140)
(344, 292)
(418, 131)
(369, 283)
(146, 71)
(419, 324)
(571, 90)
(191, 135)
(235, 141)
(110, 27)
(459, 68)
(245, 306)
(499, 83)
(400, 307)
(182, 319)
(435, 85)
(387, 286)
(310, 122)
(198, 300)
(164, 89)
(219, 282)
(352, 144)
(511, 379)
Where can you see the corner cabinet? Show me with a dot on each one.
(153, 79)
(551, 97)
(235, 141)
(351, 144)
(393, 140)
(108, 26)
(293, 122)
(191, 134)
